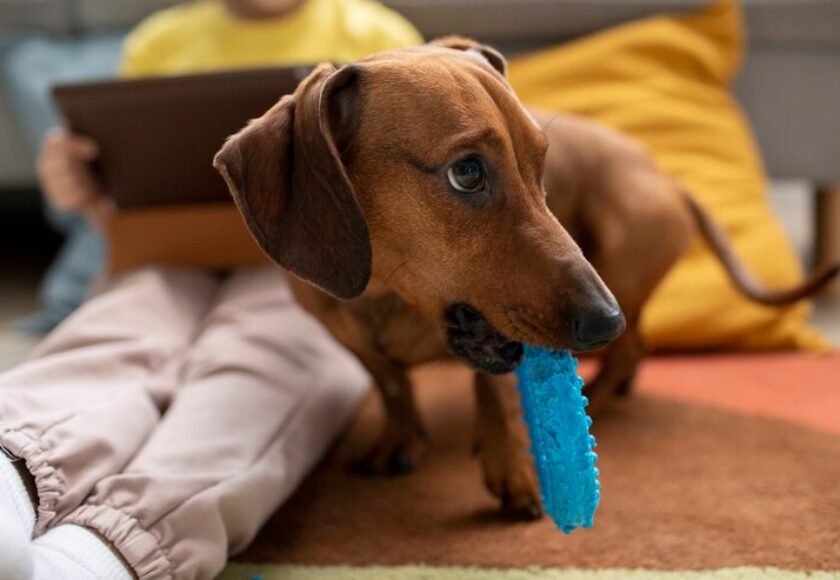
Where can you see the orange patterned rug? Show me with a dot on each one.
(716, 462)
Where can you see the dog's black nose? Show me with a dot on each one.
(597, 326)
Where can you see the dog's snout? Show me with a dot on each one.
(595, 327)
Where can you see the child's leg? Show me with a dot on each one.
(91, 393)
(264, 390)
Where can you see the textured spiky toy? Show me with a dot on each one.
(555, 411)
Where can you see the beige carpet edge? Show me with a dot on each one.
(283, 572)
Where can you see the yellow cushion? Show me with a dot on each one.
(664, 81)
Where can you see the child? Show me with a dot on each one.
(153, 432)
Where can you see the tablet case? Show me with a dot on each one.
(158, 136)
(202, 235)
(157, 140)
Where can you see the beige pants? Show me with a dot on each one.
(174, 412)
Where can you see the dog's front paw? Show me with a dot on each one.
(509, 474)
(399, 451)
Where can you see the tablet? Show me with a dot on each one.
(157, 136)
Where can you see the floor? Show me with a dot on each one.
(21, 269)
(16, 299)
(32, 243)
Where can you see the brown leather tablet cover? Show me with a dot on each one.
(210, 236)
(157, 139)
(158, 136)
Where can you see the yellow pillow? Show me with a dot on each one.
(664, 81)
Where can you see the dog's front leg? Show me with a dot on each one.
(618, 369)
(403, 441)
(502, 445)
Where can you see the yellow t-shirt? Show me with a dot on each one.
(204, 36)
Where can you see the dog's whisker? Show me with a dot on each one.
(514, 331)
(391, 275)
(532, 328)
(547, 126)
(505, 311)
(527, 316)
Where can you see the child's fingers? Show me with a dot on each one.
(83, 148)
(62, 143)
(98, 212)
(72, 191)
(64, 171)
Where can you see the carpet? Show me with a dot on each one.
(249, 572)
(728, 466)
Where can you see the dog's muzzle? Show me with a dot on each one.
(471, 337)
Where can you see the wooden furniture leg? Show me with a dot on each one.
(827, 221)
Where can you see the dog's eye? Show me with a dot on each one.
(467, 175)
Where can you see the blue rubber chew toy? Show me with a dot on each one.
(558, 426)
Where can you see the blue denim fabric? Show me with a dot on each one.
(29, 68)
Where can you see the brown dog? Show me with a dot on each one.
(406, 192)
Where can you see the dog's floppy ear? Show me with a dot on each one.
(491, 55)
(288, 181)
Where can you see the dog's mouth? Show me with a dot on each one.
(471, 337)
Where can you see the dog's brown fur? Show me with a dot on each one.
(343, 184)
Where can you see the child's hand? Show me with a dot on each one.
(66, 177)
